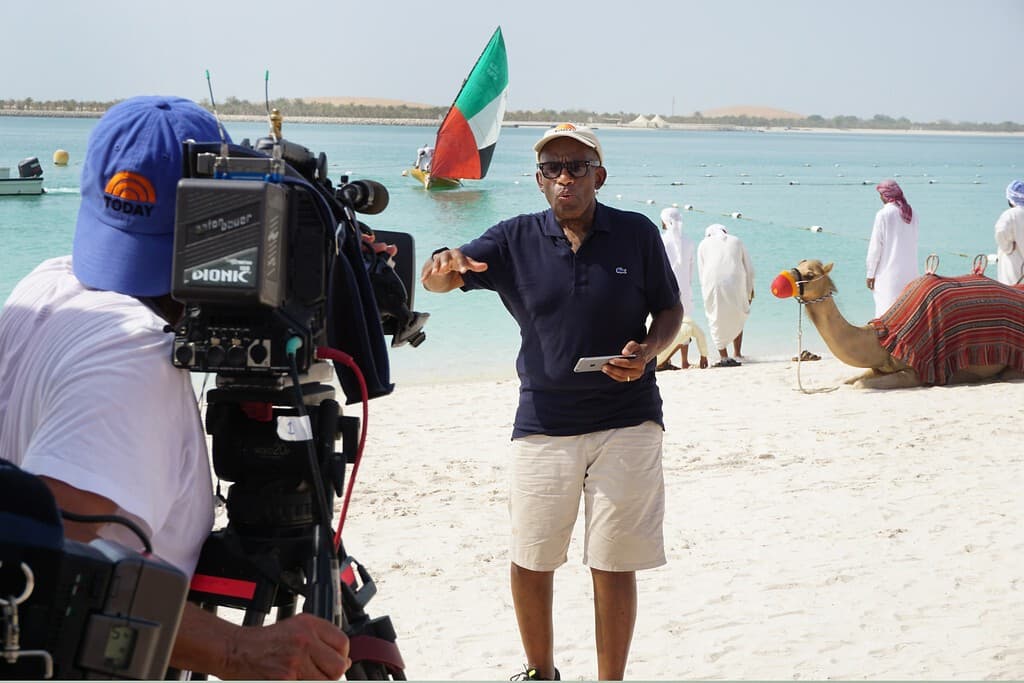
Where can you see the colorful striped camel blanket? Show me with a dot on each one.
(942, 324)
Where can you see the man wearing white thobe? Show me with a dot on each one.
(892, 251)
(680, 250)
(727, 281)
(1010, 236)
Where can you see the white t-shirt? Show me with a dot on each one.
(90, 398)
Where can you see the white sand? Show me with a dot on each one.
(853, 534)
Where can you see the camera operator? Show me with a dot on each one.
(92, 404)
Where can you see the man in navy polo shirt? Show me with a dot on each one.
(581, 279)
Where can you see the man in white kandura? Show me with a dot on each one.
(727, 281)
(1010, 236)
(680, 250)
(892, 251)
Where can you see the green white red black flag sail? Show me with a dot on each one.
(467, 136)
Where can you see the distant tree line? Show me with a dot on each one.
(300, 107)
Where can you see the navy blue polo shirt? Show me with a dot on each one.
(568, 305)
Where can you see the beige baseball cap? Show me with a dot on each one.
(568, 130)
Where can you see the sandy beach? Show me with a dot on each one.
(846, 534)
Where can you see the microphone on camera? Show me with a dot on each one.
(365, 196)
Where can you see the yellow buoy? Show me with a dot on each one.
(60, 157)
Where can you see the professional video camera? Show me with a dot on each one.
(72, 610)
(279, 277)
(262, 239)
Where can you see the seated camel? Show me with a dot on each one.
(941, 330)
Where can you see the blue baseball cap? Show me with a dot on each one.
(124, 239)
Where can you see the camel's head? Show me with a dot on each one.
(809, 280)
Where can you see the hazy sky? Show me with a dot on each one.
(926, 60)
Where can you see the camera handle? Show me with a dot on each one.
(267, 555)
(11, 628)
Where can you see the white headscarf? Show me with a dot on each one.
(680, 253)
(672, 234)
(715, 230)
(672, 219)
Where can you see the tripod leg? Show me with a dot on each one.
(261, 604)
(374, 653)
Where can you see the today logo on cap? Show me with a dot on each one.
(129, 193)
(131, 186)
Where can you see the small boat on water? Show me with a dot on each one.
(29, 180)
(469, 132)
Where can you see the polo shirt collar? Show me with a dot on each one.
(552, 229)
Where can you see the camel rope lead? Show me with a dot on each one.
(800, 351)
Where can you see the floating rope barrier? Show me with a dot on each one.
(740, 216)
(796, 182)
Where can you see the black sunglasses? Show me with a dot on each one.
(576, 169)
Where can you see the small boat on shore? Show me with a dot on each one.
(469, 132)
(28, 182)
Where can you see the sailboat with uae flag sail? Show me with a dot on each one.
(469, 132)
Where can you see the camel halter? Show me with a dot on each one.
(799, 296)
(821, 298)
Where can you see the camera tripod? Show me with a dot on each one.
(276, 546)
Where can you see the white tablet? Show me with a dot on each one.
(592, 363)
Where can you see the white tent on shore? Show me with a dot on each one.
(640, 121)
(658, 122)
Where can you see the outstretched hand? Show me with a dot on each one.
(443, 272)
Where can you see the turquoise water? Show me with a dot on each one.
(780, 183)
